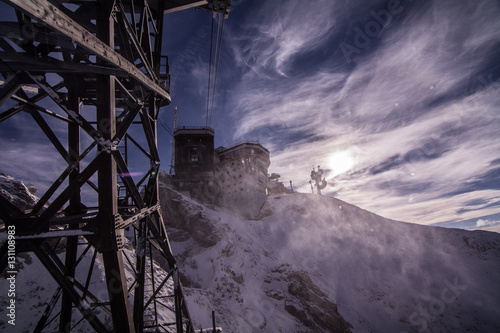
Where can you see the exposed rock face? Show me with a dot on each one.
(187, 217)
(304, 300)
(316, 310)
(17, 193)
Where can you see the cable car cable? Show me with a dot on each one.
(209, 70)
(216, 68)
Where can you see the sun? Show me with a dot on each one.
(341, 162)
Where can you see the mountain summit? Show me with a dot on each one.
(309, 263)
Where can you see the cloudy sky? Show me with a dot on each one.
(398, 101)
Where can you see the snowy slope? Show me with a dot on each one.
(308, 255)
(309, 264)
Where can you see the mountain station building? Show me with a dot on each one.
(234, 177)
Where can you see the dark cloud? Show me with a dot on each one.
(489, 180)
(479, 207)
(475, 202)
(430, 149)
(390, 163)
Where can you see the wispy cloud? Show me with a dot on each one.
(417, 112)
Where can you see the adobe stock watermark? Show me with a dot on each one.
(425, 315)
(11, 274)
(372, 29)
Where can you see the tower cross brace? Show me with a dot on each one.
(90, 75)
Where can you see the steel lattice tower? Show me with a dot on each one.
(98, 65)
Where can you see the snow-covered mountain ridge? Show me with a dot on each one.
(312, 263)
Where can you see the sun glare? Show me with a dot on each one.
(341, 162)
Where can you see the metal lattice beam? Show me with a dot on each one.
(50, 15)
(67, 58)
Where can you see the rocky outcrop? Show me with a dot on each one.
(315, 309)
(186, 216)
(19, 194)
(300, 297)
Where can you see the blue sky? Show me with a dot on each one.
(398, 101)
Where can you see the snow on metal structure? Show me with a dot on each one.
(99, 65)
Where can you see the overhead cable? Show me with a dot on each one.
(216, 69)
(209, 70)
(165, 126)
(212, 85)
